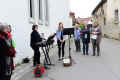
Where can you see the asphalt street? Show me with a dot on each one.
(104, 67)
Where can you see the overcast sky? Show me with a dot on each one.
(83, 8)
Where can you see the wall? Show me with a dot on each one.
(58, 12)
(112, 29)
(16, 13)
(101, 14)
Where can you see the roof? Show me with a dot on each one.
(98, 6)
(84, 20)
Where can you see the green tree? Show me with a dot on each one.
(81, 25)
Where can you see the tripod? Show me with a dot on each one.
(69, 38)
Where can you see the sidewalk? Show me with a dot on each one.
(105, 67)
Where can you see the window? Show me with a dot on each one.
(104, 21)
(46, 12)
(40, 10)
(116, 16)
(31, 8)
(102, 11)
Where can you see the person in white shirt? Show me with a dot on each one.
(96, 38)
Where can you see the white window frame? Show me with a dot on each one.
(116, 14)
(40, 12)
(31, 18)
(46, 10)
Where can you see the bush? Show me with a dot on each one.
(81, 25)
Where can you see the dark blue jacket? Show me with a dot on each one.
(85, 35)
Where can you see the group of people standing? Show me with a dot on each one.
(86, 35)
(7, 52)
(7, 45)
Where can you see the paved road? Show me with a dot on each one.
(105, 67)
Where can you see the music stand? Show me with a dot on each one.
(69, 32)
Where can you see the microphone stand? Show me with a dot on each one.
(70, 57)
(69, 38)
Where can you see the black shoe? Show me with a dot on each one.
(98, 55)
(76, 50)
(34, 65)
(46, 67)
(62, 58)
(59, 59)
(79, 50)
(93, 55)
(87, 54)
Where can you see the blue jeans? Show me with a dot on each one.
(85, 48)
(77, 45)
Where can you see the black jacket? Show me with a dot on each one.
(85, 35)
(5, 62)
(35, 37)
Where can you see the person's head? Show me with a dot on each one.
(9, 28)
(3, 28)
(76, 25)
(96, 23)
(86, 26)
(35, 27)
(60, 26)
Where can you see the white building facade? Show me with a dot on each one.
(22, 14)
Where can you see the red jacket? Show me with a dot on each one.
(9, 50)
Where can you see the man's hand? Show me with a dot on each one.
(94, 32)
(62, 41)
